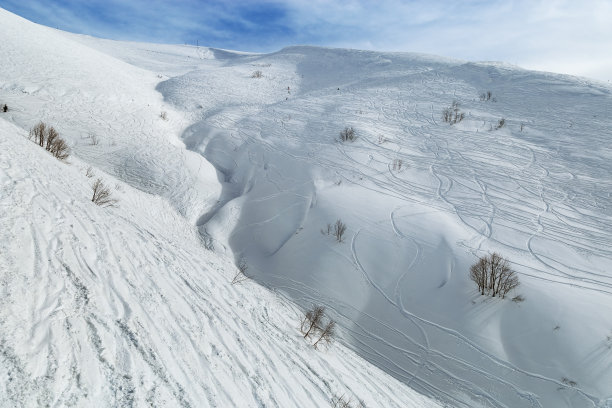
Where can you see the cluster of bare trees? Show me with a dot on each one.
(348, 134)
(487, 96)
(48, 138)
(453, 114)
(493, 275)
(336, 229)
(314, 326)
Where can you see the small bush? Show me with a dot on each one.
(500, 124)
(164, 115)
(102, 195)
(348, 134)
(89, 172)
(240, 275)
(569, 382)
(340, 401)
(257, 74)
(338, 230)
(518, 299)
(493, 275)
(452, 114)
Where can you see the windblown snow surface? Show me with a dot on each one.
(124, 306)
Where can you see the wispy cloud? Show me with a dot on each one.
(556, 35)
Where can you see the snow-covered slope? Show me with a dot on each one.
(421, 199)
(124, 306)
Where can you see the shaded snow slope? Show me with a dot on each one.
(421, 199)
(124, 307)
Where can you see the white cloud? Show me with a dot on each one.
(556, 35)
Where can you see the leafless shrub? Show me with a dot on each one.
(348, 134)
(339, 229)
(500, 124)
(51, 136)
(486, 96)
(102, 195)
(48, 138)
(312, 320)
(60, 149)
(522, 126)
(240, 275)
(164, 115)
(257, 74)
(569, 382)
(94, 140)
(312, 325)
(340, 401)
(518, 299)
(493, 275)
(39, 133)
(326, 334)
(452, 114)
(89, 172)
(328, 230)
(397, 164)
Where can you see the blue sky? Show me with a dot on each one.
(566, 36)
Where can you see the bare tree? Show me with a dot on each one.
(51, 135)
(102, 194)
(38, 133)
(326, 333)
(339, 230)
(493, 275)
(312, 320)
(60, 149)
(240, 275)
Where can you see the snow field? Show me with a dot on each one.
(264, 173)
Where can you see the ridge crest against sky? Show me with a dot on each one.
(572, 37)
